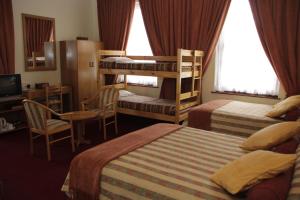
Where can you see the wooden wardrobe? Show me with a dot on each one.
(79, 68)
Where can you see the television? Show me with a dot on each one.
(10, 85)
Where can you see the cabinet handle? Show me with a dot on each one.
(91, 64)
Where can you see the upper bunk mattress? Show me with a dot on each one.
(232, 117)
(147, 66)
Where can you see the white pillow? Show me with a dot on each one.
(125, 93)
(117, 59)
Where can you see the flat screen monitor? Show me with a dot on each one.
(10, 85)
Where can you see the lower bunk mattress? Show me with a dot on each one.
(231, 117)
(174, 162)
(133, 101)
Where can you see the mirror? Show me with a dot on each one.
(39, 43)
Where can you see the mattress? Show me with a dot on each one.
(147, 104)
(176, 166)
(232, 117)
(149, 66)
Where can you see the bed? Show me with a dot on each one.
(186, 64)
(129, 100)
(174, 162)
(231, 117)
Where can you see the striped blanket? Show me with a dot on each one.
(148, 66)
(176, 166)
(233, 117)
(147, 104)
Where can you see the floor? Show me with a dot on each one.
(23, 176)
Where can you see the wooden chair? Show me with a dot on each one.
(105, 103)
(54, 98)
(40, 123)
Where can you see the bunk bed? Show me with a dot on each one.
(187, 64)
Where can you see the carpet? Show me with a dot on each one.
(27, 177)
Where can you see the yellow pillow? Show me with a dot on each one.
(284, 106)
(251, 168)
(271, 136)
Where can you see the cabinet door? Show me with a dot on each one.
(87, 69)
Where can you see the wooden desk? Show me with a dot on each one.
(33, 94)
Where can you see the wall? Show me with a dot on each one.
(79, 18)
(72, 18)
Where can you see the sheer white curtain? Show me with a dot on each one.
(138, 44)
(241, 63)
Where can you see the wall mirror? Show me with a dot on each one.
(39, 43)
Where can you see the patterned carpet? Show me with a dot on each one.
(27, 177)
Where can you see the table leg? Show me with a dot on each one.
(81, 134)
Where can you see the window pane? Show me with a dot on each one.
(241, 63)
(138, 44)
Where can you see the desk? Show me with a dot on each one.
(40, 93)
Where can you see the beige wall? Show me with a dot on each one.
(72, 18)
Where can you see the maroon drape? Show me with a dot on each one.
(7, 40)
(114, 20)
(192, 24)
(38, 31)
(278, 26)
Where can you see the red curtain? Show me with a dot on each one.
(173, 24)
(7, 40)
(38, 31)
(114, 20)
(278, 26)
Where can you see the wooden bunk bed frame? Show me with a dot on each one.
(184, 58)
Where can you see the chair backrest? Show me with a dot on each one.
(36, 114)
(108, 95)
(54, 92)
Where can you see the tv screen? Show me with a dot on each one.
(10, 85)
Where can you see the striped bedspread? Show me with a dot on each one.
(147, 104)
(176, 166)
(241, 118)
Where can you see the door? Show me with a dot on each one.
(87, 68)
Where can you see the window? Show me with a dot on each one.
(241, 63)
(138, 44)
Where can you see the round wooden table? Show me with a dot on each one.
(81, 117)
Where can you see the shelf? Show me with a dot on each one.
(15, 129)
(11, 110)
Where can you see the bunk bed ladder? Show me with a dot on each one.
(178, 85)
(198, 65)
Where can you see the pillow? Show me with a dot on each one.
(251, 168)
(117, 59)
(125, 93)
(284, 106)
(278, 187)
(271, 135)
